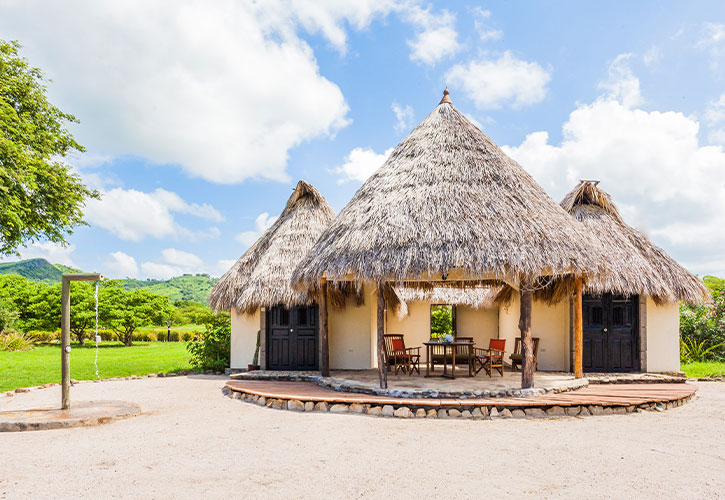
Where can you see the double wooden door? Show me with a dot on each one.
(611, 333)
(292, 338)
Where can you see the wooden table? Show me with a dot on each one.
(446, 346)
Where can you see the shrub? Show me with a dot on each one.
(141, 337)
(212, 351)
(692, 351)
(702, 329)
(13, 340)
(46, 336)
(161, 337)
(174, 337)
(186, 336)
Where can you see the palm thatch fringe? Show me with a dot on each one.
(475, 297)
(449, 200)
(637, 266)
(261, 277)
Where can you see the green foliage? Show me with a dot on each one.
(46, 308)
(255, 359)
(704, 369)
(187, 336)
(188, 287)
(174, 337)
(212, 351)
(40, 197)
(16, 341)
(713, 283)
(124, 312)
(441, 320)
(8, 316)
(702, 328)
(18, 294)
(189, 312)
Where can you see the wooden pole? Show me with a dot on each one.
(382, 372)
(578, 329)
(527, 344)
(65, 331)
(324, 342)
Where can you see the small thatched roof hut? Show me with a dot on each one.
(261, 277)
(449, 200)
(637, 266)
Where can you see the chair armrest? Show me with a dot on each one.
(480, 351)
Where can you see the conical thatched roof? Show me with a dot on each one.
(261, 277)
(448, 199)
(637, 266)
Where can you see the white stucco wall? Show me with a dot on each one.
(663, 337)
(244, 338)
(349, 333)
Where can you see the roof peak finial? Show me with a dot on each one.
(445, 97)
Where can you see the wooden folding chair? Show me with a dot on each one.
(515, 357)
(404, 358)
(490, 359)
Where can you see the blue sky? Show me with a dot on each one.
(199, 118)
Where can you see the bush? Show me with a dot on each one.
(212, 351)
(702, 330)
(141, 337)
(174, 337)
(186, 336)
(46, 336)
(15, 341)
(161, 337)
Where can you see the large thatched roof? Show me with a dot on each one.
(261, 277)
(449, 200)
(637, 266)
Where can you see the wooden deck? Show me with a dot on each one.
(604, 395)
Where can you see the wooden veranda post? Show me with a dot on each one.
(527, 344)
(324, 342)
(578, 329)
(382, 372)
(65, 331)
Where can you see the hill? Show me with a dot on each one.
(187, 287)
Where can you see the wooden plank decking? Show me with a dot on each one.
(602, 395)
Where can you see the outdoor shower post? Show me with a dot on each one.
(65, 330)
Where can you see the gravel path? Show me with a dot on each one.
(191, 442)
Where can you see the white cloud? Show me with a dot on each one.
(712, 40)
(652, 56)
(173, 263)
(55, 253)
(223, 265)
(481, 17)
(133, 215)
(651, 162)
(436, 37)
(621, 84)
(120, 266)
(493, 83)
(403, 117)
(715, 116)
(261, 224)
(360, 164)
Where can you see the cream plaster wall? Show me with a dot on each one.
(349, 334)
(663, 337)
(244, 338)
(549, 323)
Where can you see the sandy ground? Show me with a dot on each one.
(191, 442)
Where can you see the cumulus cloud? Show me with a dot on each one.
(436, 36)
(133, 215)
(652, 163)
(360, 164)
(403, 117)
(506, 80)
(120, 265)
(261, 224)
(622, 85)
(481, 23)
(173, 262)
(712, 40)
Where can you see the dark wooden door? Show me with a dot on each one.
(611, 334)
(292, 336)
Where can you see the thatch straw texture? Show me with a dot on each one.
(449, 199)
(261, 277)
(637, 266)
(475, 297)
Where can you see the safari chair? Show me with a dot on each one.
(399, 357)
(461, 353)
(515, 357)
(491, 358)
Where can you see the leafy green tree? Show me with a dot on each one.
(192, 312)
(213, 351)
(18, 294)
(8, 316)
(125, 311)
(46, 309)
(441, 320)
(39, 196)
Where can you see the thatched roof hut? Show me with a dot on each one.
(637, 266)
(261, 277)
(449, 200)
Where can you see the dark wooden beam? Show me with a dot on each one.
(527, 344)
(324, 341)
(382, 372)
(578, 329)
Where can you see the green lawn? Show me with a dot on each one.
(704, 369)
(42, 364)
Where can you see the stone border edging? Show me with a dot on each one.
(345, 386)
(477, 413)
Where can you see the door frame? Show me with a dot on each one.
(266, 320)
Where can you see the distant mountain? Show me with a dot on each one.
(186, 287)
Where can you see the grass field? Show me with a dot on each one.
(704, 369)
(42, 364)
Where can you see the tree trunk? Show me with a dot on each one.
(527, 345)
(80, 336)
(324, 343)
(578, 329)
(382, 372)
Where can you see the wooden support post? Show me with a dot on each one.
(578, 329)
(382, 372)
(324, 342)
(65, 331)
(527, 344)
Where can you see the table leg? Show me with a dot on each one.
(427, 365)
(453, 362)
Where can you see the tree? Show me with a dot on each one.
(213, 351)
(47, 308)
(125, 311)
(39, 196)
(18, 294)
